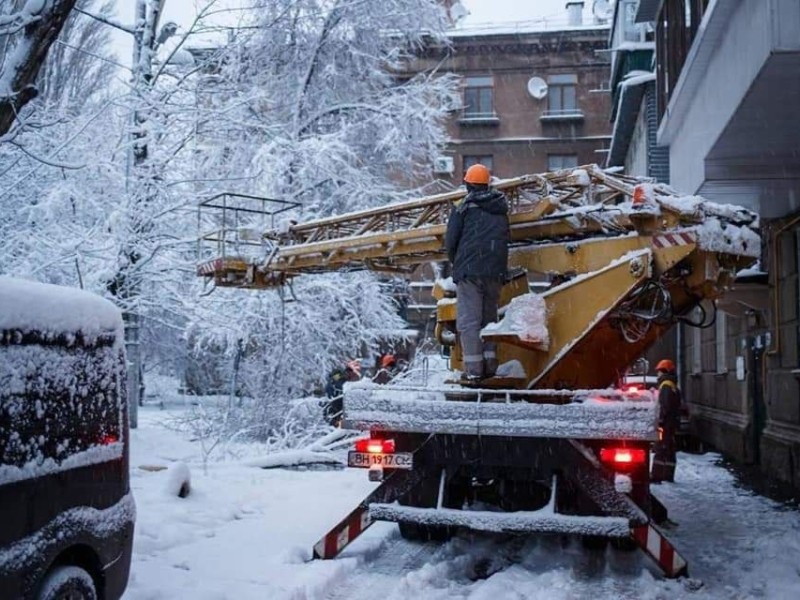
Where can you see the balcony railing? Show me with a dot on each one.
(479, 118)
(568, 114)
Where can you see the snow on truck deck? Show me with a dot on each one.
(246, 533)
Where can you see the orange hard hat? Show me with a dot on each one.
(387, 361)
(666, 365)
(477, 174)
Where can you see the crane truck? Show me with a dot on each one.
(549, 445)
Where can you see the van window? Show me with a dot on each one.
(60, 403)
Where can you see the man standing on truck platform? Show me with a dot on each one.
(477, 246)
(669, 416)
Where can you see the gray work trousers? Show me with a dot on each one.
(477, 307)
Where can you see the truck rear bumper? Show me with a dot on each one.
(422, 410)
(539, 521)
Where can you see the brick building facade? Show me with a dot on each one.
(532, 100)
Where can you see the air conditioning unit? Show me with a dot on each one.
(444, 165)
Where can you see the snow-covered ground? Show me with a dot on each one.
(246, 532)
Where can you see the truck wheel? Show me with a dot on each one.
(627, 544)
(68, 583)
(594, 542)
(415, 532)
(409, 531)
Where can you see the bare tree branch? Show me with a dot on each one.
(107, 21)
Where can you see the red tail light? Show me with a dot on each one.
(633, 388)
(375, 446)
(109, 439)
(623, 457)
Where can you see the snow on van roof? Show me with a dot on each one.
(55, 310)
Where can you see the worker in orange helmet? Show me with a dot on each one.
(669, 407)
(477, 245)
(387, 369)
(388, 361)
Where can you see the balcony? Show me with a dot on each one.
(479, 118)
(731, 119)
(568, 114)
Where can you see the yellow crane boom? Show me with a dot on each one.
(625, 256)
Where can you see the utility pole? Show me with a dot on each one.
(127, 284)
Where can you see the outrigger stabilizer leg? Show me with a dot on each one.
(354, 524)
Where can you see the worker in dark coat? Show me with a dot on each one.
(332, 409)
(477, 246)
(669, 418)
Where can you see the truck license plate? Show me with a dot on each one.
(364, 460)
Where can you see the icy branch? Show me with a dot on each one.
(43, 20)
(107, 21)
(16, 22)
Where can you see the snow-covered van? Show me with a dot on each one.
(66, 509)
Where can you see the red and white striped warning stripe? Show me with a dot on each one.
(653, 542)
(677, 238)
(352, 526)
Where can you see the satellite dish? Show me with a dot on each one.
(537, 87)
(602, 10)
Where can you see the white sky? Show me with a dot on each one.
(505, 11)
(481, 12)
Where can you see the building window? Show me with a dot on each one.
(556, 162)
(721, 353)
(631, 29)
(478, 97)
(676, 27)
(562, 96)
(474, 159)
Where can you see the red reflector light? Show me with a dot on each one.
(623, 456)
(375, 446)
(109, 439)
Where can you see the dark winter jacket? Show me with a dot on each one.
(669, 401)
(478, 236)
(336, 379)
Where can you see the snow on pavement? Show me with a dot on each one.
(246, 532)
(243, 532)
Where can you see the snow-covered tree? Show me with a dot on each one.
(27, 30)
(330, 119)
(307, 103)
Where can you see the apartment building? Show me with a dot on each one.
(727, 84)
(532, 96)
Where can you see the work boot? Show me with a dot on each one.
(470, 377)
(490, 367)
(473, 370)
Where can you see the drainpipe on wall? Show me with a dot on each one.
(679, 355)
